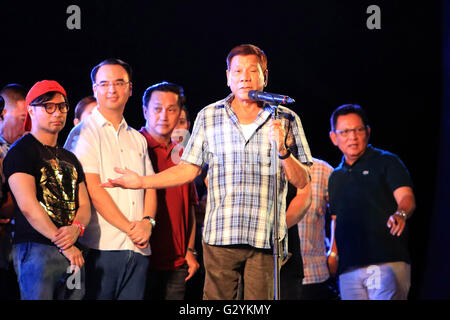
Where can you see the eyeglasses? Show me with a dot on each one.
(358, 131)
(116, 84)
(50, 107)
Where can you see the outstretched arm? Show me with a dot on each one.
(172, 177)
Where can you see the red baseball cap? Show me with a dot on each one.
(39, 89)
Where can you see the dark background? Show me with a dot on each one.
(320, 53)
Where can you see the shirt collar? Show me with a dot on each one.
(102, 121)
(265, 112)
(152, 143)
(367, 154)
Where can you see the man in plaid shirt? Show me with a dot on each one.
(311, 230)
(234, 137)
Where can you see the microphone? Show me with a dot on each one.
(269, 97)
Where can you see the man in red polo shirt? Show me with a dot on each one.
(173, 260)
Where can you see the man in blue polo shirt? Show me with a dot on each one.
(371, 196)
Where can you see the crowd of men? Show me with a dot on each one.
(118, 213)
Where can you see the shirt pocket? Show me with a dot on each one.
(264, 163)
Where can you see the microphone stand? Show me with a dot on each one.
(276, 246)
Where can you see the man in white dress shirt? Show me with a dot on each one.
(122, 220)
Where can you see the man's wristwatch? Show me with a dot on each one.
(287, 155)
(334, 254)
(194, 252)
(152, 221)
(402, 213)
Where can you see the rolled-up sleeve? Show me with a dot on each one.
(197, 146)
(296, 140)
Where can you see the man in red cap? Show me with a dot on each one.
(51, 201)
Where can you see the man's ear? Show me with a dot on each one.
(228, 77)
(333, 137)
(144, 112)
(266, 77)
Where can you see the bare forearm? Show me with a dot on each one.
(333, 258)
(84, 210)
(39, 220)
(104, 204)
(150, 203)
(172, 177)
(405, 199)
(108, 209)
(83, 215)
(332, 237)
(192, 227)
(408, 205)
(298, 206)
(296, 172)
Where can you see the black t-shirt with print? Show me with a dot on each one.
(57, 173)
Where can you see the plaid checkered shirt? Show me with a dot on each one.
(311, 229)
(239, 207)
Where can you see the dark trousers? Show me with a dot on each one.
(319, 291)
(166, 284)
(290, 285)
(9, 288)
